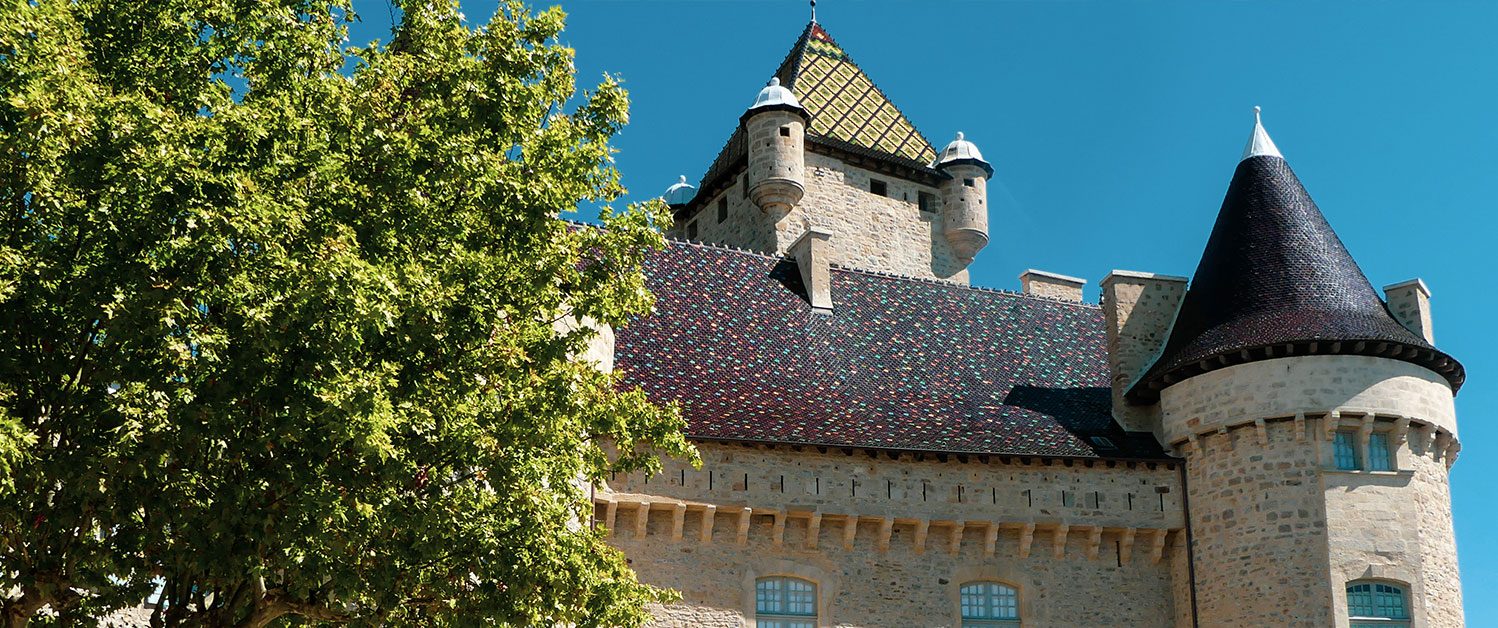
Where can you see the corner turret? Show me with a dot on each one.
(964, 197)
(775, 131)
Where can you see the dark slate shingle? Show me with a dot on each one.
(902, 363)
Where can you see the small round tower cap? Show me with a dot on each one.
(775, 95)
(961, 151)
(680, 193)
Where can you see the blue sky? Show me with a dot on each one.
(1114, 127)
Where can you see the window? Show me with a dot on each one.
(785, 603)
(1376, 605)
(692, 230)
(1380, 457)
(723, 209)
(989, 604)
(968, 182)
(878, 187)
(927, 201)
(785, 131)
(1345, 448)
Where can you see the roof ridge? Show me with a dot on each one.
(943, 282)
(879, 273)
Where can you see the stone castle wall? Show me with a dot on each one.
(870, 232)
(1279, 531)
(1085, 545)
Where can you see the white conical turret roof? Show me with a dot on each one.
(1259, 143)
(960, 150)
(680, 193)
(775, 95)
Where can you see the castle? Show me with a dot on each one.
(1266, 444)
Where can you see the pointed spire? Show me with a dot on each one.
(1259, 143)
(1276, 280)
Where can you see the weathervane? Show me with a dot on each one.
(813, 10)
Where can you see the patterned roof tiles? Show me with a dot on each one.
(901, 363)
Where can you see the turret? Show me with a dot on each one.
(1317, 429)
(964, 197)
(679, 194)
(775, 130)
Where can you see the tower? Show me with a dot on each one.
(775, 128)
(1317, 427)
(964, 197)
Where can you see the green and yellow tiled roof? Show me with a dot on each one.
(844, 104)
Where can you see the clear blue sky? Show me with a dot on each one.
(1114, 128)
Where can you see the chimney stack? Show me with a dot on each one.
(1044, 284)
(1409, 302)
(813, 254)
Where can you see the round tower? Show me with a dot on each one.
(775, 131)
(964, 197)
(1317, 428)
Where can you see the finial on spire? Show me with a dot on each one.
(814, 11)
(1259, 143)
(683, 179)
(774, 82)
(959, 136)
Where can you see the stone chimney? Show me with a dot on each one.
(813, 255)
(1409, 302)
(1044, 284)
(1138, 311)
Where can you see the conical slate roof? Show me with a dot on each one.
(1276, 281)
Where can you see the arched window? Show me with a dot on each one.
(1377, 605)
(785, 603)
(989, 604)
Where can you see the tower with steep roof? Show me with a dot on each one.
(1317, 427)
(823, 148)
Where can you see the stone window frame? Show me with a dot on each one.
(879, 187)
(1009, 574)
(1377, 621)
(1361, 430)
(826, 586)
(989, 622)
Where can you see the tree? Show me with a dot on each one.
(283, 321)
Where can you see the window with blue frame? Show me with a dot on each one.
(1377, 605)
(785, 603)
(1380, 456)
(1345, 448)
(989, 605)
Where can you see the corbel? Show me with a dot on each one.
(921, 528)
(778, 531)
(1094, 542)
(813, 530)
(990, 540)
(1300, 427)
(850, 531)
(1126, 545)
(678, 520)
(886, 527)
(954, 543)
(1026, 538)
(642, 519)
(1227, 437)
(1262, 431)
(709, 515)
(1058, 540)
(609, 512)
(1401, 430)
(742, 537)
(1157, 550)
(1329, 424)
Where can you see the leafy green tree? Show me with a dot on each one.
(284, 322)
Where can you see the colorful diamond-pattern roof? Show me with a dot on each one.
(843, 103)
(901, 363)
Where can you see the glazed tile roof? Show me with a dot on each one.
(1273, 279)
(844, 103)
(902, 363)
(848, 111)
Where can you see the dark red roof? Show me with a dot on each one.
(1275, 280)
(901, 363)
